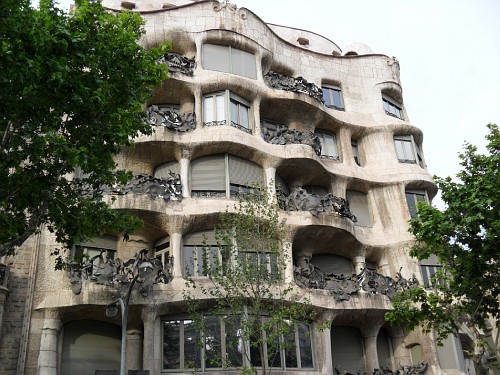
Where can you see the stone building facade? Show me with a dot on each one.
(246, 102)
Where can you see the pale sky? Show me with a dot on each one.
(449, 51)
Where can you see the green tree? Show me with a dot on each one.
(465, 238)
(245, 287)
(72, 90)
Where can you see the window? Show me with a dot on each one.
(355, 152)
(226, 108)
(348, 352)
(358, 204)
(333, 264)
(332, 97)
(412, 199)
(392, 107)
(428, 275)
(94, 247)
(88, 345)
(329, 148)
(316, 189)
(384, 349)
(163, 170)
(162, 250)
(194, 244)
(407, 150)
(270, 126)
(261, 264)
(224, 175)
(228, 59)
(416, 354)
(185, 349)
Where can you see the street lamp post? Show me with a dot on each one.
(144, 270)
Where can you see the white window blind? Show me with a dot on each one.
(244, 172)
(228, 59)
(358, 204)
(208, 173)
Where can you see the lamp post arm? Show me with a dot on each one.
(124, 307)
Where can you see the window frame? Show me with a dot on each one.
(414, 149)
(232, 189)
(197, 262)
(328, 90)
(321, 134)
(414, 193)
(355, 152)
(161, 250)
(232, 58)
(392, 107)
(428, 272)
(229, 99)
(245, 361)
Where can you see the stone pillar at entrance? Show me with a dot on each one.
(47, 359)
(134, 349)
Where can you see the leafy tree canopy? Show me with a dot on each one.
(72, 89)
(245, 284)
(465, 238)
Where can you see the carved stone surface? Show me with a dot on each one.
(395, 69)
(166, 188)
(419, 369)
(171, 120)
(344, 286)
(115, 272)
(283, 136)
(300, 200)
(282, 82)
(178, 63)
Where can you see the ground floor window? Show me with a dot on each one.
(348, 351)
(223, 345)
(90, 345)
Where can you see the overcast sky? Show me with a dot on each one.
(449, 51)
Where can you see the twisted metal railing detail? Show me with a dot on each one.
(283, 82)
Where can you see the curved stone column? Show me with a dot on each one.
(370, 333)
(148, 347)
(175, 247)
(134, 349)
(47, 358)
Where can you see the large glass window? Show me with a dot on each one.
(332, 97)
(90, 345)
(224, 175)
(412, 199)
(223, 346)
(226, 108)
(228, 59)
(200, 251)
(392, 107)
(329, 147)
